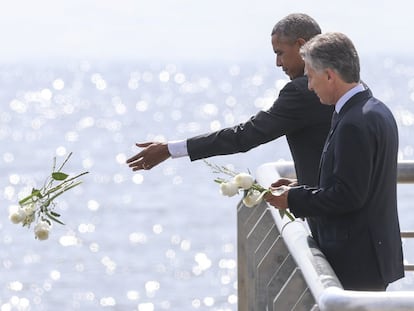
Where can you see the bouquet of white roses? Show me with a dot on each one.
(253, 192)
(39, 206)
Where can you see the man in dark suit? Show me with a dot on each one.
(296, 113)
(355, 204)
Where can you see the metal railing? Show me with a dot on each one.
(281, 268)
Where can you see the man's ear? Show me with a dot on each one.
(330, 73)
(301, 41)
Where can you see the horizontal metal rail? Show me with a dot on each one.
(407, 234)
(405, 171)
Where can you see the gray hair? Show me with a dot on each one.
(333, 50)
(295, 26)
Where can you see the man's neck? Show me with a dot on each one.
(344, 87)
(350, 92)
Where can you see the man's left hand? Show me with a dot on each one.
(278, 197)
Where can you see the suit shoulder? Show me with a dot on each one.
(301, 84)
(297, 90)
(299, 87)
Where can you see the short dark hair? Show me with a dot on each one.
(295, 26)
(333, 50)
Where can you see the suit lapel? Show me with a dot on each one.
(334, 122)
(336, 118)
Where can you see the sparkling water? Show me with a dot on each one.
(163, 239)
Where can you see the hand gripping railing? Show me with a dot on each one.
(281, 268)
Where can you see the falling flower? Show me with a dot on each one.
(17, 215)
(39, 206)
(41, 230)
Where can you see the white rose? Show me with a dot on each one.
(29, 209)
(42, 230)
(229, 189)
(17, 215)
(253, 198)
(244, 180)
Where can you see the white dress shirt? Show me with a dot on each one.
(178, 148)
(342, 101)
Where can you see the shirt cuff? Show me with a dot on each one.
(178, 148)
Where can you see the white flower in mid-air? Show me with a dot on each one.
(29, 209)
(244, 180)
(17, 215)
(38, 206)
(41, 230)
(229, 188)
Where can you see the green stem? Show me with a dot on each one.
(64, 183)
(54, 218)
(289, 215)
(61, 192)
(64, 162)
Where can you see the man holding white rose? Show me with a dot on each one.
(354, 206)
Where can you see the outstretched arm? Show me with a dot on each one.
(152, 154)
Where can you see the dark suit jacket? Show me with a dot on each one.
(297, 113)
(355, 204)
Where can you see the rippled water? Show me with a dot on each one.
(159, 240)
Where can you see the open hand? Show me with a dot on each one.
(152, 154)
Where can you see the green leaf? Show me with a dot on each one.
(36, 193)
(24, 200)
(54, 218)
(284, 212)
(219, 180)
(31, 197)
(59, 176)
(289, 215)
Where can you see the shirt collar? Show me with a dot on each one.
(342, 101)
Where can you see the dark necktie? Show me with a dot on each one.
(335, 116)
(334, 120)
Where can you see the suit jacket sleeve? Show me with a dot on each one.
(345, 176)
(288, 113)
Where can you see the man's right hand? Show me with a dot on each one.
(285, 182)
(152, 154)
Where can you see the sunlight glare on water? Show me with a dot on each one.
(159, 240)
